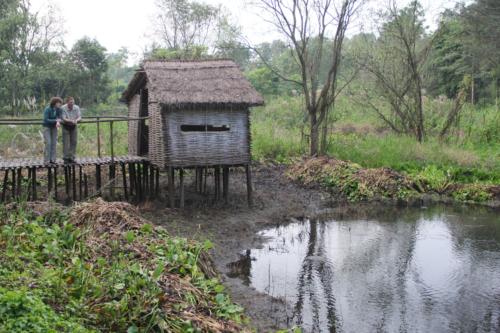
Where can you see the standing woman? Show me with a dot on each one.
(51, 122)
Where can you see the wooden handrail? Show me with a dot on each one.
(85, 120)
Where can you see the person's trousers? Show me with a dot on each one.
(70, 140)
(50, 139)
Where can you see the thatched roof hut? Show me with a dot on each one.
(198, 113)
(184, 83)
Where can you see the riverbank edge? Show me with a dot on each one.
(349, 182)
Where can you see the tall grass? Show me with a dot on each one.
(471, 152)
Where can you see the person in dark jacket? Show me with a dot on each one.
(51, 122)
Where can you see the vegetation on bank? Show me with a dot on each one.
(463, 166)
(350, 180)
(101, 268)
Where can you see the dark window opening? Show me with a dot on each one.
(205, 128)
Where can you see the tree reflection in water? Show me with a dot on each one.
(429, 270)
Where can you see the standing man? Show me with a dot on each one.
(51, 120)
(70, 117)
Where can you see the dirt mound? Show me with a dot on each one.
(108, 225)
(113, 229)
(112, 218)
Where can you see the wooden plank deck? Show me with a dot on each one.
(11, 164)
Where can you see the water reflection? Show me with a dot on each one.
(434, 270)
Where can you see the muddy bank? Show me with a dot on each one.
(233, 228)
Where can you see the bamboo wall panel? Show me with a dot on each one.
(133, 126)
(205, 147)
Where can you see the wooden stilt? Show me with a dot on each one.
(13, 187)
(28, 185)
(131, 179)
(49, 180)
(4, 188)
(98, 179)
(249, 185)
(55, 183)
(124, 177)
(196, 178)
(73, 181)
(225, 183)
(157, 181)
(111, 175)
(205, 181)
(136, 183)
(138, 176)
(145, 179)
(66, 180)
(181, 186)
(19, 182)
(80, 183)
(35, 197)
(171, 187)
(151, 181)
(217, 183)
(85, 186)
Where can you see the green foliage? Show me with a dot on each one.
(277, 135)
(472, 192)
(195, 52)
(35, 65)
(431, 178)
(54, 281)
(89, 84)
(22, 312)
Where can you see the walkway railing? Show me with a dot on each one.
(140, 178)
(85, 120)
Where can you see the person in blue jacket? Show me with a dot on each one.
(51, 122)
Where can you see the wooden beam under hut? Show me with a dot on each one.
(140, 182)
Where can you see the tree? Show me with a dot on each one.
(311, 27)
(184, 24)
(483, 42)
(25, 38)
(395, 62)
(228, 44)
(448, 63)
(88, 79)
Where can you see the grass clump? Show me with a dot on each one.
(351, 180)
(102, 268)
(473, 192)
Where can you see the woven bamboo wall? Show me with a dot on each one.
(206, 148)
(133, 112)
(156, 139)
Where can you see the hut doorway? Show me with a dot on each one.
(143, 129)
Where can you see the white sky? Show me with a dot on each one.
(127, 23)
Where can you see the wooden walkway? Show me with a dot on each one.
(131, 178)
(83, 161)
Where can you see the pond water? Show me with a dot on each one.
(410, 270)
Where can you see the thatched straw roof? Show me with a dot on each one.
(194, 83)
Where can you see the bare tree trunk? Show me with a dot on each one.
(324, 130)
(453, 114)
(314, 134)
(420, 116)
